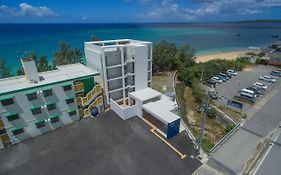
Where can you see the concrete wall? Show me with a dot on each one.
(141, 64)
(122, 112)
(27, 119)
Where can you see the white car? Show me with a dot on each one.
(231, 72)
(217, 80)
(260, 86)
(268, 78)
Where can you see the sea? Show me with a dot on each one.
(17, 40)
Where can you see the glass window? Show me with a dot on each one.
(40, 124)
(36, 111)
(72, 113)
(70, 100)
(7, 102)
(32, 96)
(51, 106)
(67, 88)
(13, 117)
(54, 119)
(48, 92)
(18, 131)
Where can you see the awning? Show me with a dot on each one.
(6, 97)
(39, 121)
(66, 84)
(72, 109)
(50, 102)
(68, 98)
(53, 116)
(8, 114)
(35, 107)
(47, 88)
(30, 92)
(17, 127)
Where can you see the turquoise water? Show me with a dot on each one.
(17, 39)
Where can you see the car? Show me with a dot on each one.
(224, 79)
(260, 86)
(276, 73)
(212, 82)
(224, 75)
(255, 90)
(248, 93)
(202, 107)
(217, 79)
(231, 72)
(214, 95)
(268, 79)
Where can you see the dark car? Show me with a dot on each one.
(276, 73)
(226, 74)
(224, 79)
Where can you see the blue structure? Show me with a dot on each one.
(173, 128)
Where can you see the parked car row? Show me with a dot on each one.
(222, 77)
(254, 91)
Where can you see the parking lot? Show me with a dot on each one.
(103, 145)
(229, 89)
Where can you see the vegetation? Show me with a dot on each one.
(5, 71)
(95, 38)
(180, 90)
(229, 128)
(67, 55)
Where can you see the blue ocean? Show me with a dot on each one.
(44, 39)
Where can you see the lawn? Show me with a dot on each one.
(163, 79)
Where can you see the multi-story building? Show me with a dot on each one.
(36, 103)
(124, 65)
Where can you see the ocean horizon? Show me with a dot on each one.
(17, 40)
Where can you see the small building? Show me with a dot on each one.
(152, 106)
(36, 103)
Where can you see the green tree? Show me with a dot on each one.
(5, 71)
(95, 38)
(43, 64)
(163, 56)
(20, 71)
(67, 55)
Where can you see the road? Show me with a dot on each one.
(232, 157)
(271, 162)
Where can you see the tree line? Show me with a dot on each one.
(65, 55)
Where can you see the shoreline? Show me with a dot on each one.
(227, 55)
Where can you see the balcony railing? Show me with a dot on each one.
(79, 87)
(97, 102)
(85, 101)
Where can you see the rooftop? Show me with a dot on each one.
(62, 73)
(110, 43)
(162, 109)
(145, 94)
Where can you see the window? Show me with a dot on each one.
(2, 131)
(32, 96)
(51, 106)
(40, 124)
(67, 88)
(70, 100)
(71, 113)
(13, 117)
(7, 102)
(18, 131)
(36, 111)
(48, 92)
(54, 119)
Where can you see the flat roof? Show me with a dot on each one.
(118, 42)
(62, 73)
(145, 94)
(161, 109)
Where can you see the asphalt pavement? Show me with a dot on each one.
(103, 145)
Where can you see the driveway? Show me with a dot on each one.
(103, 145)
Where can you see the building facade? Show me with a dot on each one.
(36, 103)
(124, 65)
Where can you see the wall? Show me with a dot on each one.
(122, 112)
(27, 119)
(141, 65)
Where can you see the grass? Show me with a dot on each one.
(214, 131)
(235, 115)
(163, 79)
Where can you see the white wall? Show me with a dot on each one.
(122, 112)
(141, 65)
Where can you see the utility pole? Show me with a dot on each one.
(204, 122)
(202, 72)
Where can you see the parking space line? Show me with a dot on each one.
(182, 156)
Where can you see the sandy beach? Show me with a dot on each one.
(222, 55)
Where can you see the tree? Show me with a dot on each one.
(20, 71)
(5, 71)
(95, 38)
(43, 64)
(163, 56)
(67, 55)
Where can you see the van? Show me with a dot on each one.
(248, 93)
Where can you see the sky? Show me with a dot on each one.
(123, 11)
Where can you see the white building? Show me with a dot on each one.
(124, 65)
(36, 103)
